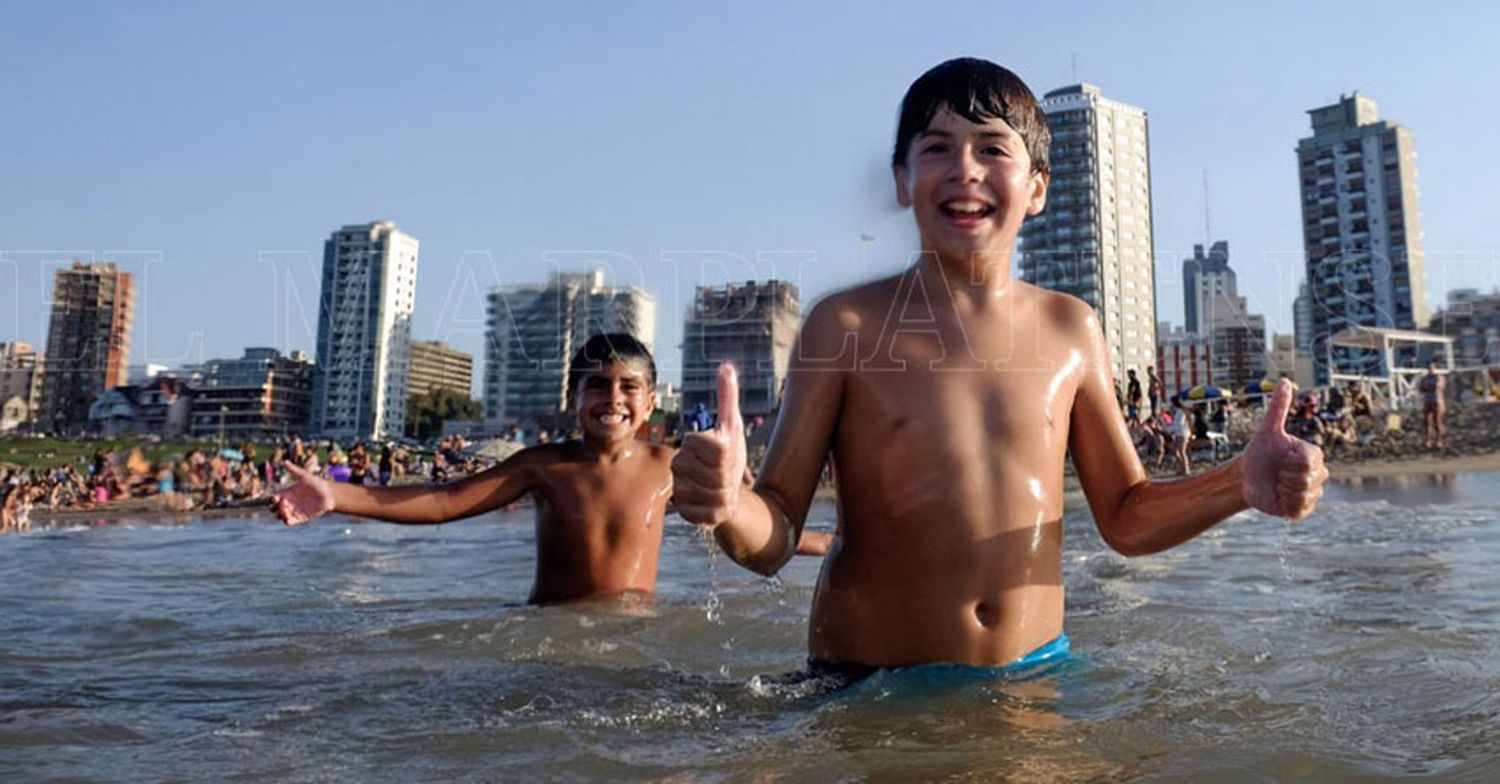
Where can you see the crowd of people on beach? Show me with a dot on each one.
(1169, 433)
(1336, 418)
(217, 478)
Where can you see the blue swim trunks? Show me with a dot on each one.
(839, 675)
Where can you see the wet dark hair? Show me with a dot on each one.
(607, 349)
(976, 90)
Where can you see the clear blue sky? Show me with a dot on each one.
(208, 145)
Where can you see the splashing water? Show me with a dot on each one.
(713, 607)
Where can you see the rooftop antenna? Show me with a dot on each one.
(1207, 227)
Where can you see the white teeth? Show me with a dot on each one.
(967, 207)
(611, 419)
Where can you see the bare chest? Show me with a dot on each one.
(585, 497)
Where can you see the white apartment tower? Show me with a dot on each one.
(1094, 238)
(364, 332)
(1360, 227)
(534, 329)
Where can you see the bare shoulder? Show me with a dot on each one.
(537, 458)
(1062, 310)
(1067, 316)
(847, 312)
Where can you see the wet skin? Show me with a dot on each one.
(949, 397)
(599, 502)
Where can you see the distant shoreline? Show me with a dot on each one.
(1435, 464)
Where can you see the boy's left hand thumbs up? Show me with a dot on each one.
(1283, 475)
(708, 471)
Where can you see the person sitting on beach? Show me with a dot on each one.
(1359, 400)
(1151, 441)
(600, 501)
(1335, 402)
(1340, 433)
(950, 396)
(15, 509)
(1306, 424)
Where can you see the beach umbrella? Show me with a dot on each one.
(1265, 386)
(1200, 392)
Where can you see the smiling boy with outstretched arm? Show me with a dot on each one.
(599, 501)
(950, 396)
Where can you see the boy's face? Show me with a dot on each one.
(614, 400)
(969, 186)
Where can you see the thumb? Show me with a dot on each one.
(1276, 410)
(729, 401)
(298, 472)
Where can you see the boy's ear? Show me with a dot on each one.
(903, 188)
(1039, 182)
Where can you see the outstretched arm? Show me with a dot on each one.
(314, 496)
(1276, 473)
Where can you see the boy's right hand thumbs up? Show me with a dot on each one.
(1283, 475)
(708, 471)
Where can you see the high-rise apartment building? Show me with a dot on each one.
(1214, 308)
(1302, 315)
(1094, 239)
(534, 329)
(364, 331)
(1360, 227)
(88, 341)
(436, 365)
(1205, 276)
(21, 379)
(751, 324)
(1472, 319)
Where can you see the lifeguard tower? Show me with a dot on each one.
(1398, 387)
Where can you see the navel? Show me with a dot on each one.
(986, 614)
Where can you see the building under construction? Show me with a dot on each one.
(751, 324)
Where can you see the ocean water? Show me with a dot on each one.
(1363, 644)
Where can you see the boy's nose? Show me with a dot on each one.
(968, 166)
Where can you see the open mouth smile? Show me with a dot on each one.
(966, 211)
